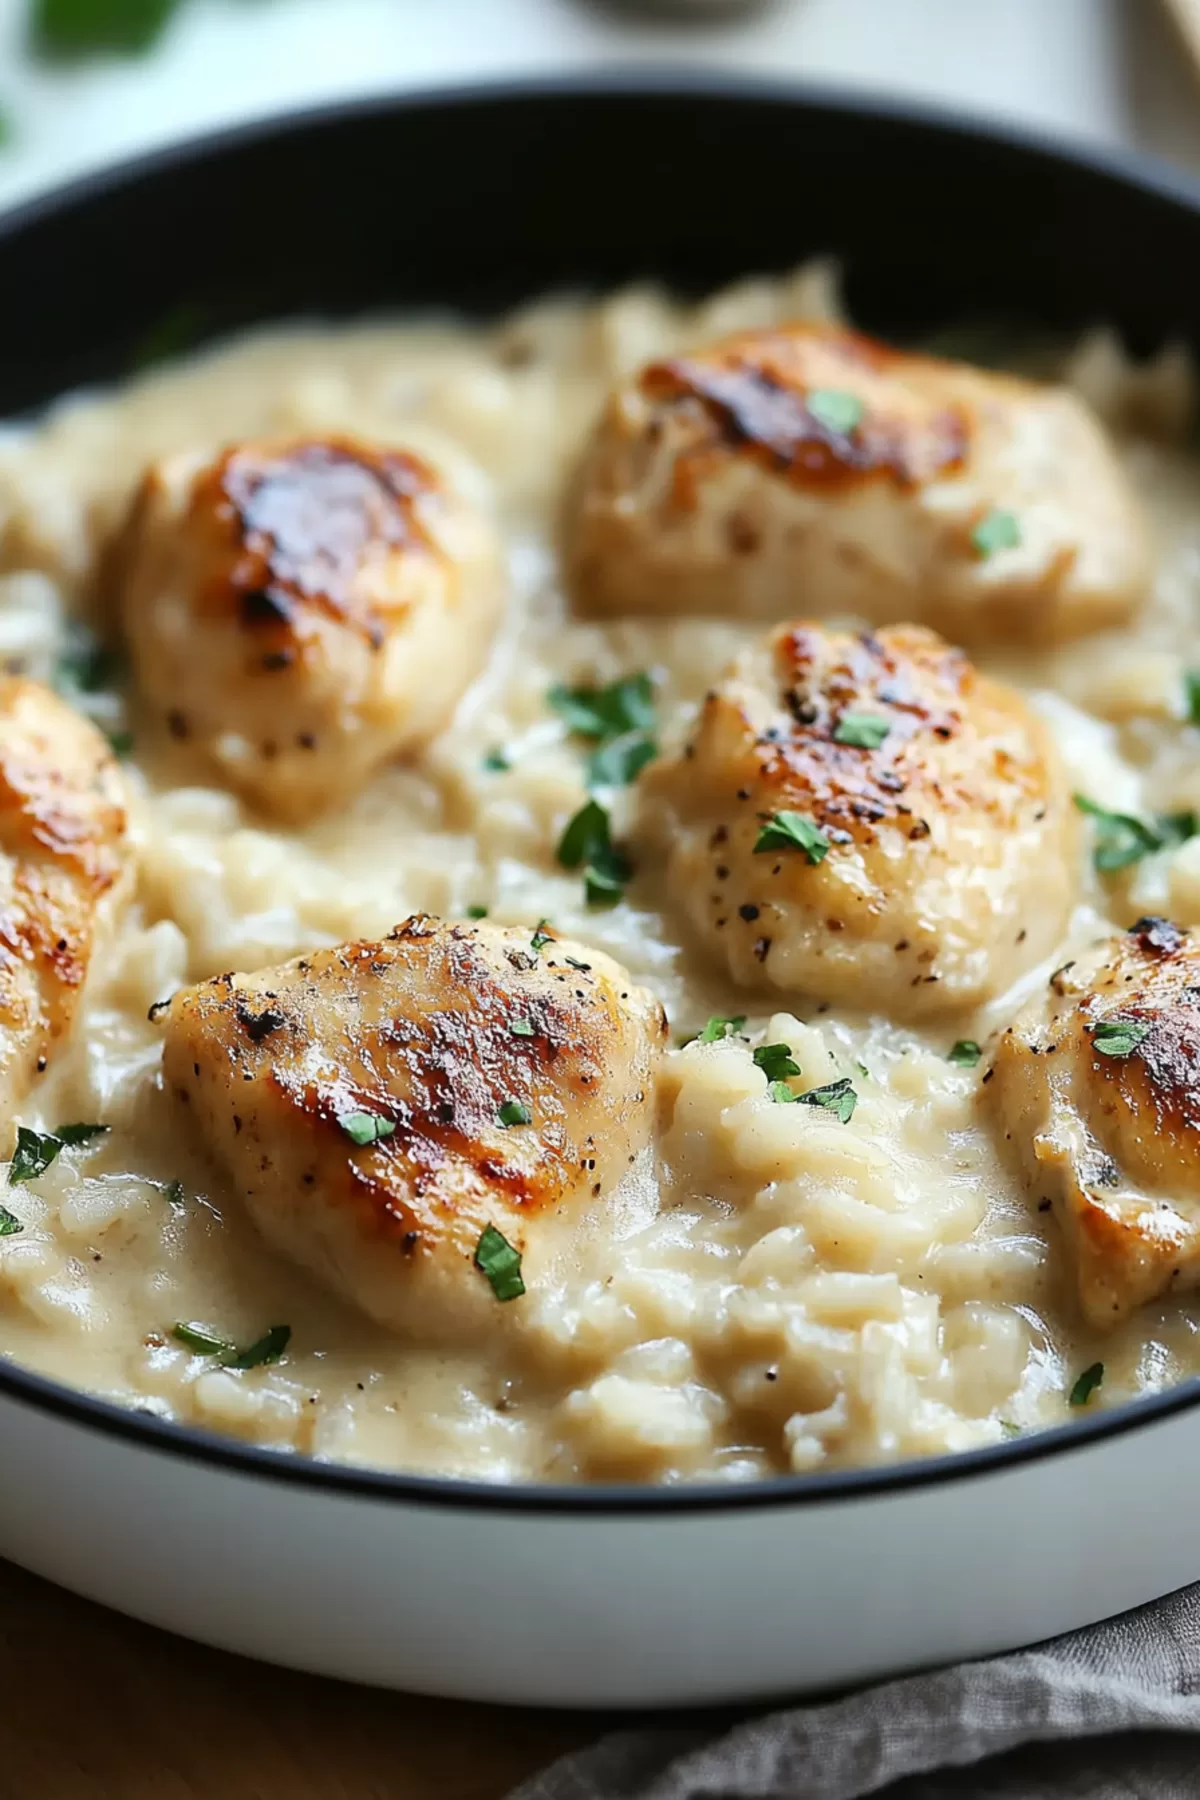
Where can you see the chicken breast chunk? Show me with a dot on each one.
(304, 609)
(62, 852)
(809, 467)
(1096, 1085)
(380, 1106)
(867, 820)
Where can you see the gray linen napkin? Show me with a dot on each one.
(1111, 1713)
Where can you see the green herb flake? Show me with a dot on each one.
(541, 937)
(835, 409)
(477, 912)
(606, 712)
(620, 761)
(964, 1053)
(515, 1112)
(836, 1097)
(9, 1223)
(997, 530)
(791, 831)
(718, 1027)
(522, 1028)
(173, 1193)
(1118, 1037)
(863, 731)
(84, 665)
(501, 1263)
(79, 1134)
(69, 28)
(584, 968)
(266, 1349)
(120, 743)
(781, 1094)
(1121, 838)
(201, 1341)
(1086, 1385)
(496, 761)
(364, 1128)
(34, 1153)
(1009, 1429)
(586, 842)
(775, 1061)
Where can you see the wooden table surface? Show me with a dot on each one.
(95, 1707)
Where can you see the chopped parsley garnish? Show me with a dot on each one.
(498, 1260)
(366, 1128)
(835, 409)
(9, 1223)
(791, 831)
(1009, 1429)
(1118, 1037)
(584, 968)
(1121, 838)
(776, 1061)
(721, 1028)
(477, 912)
(1191, 696)
(619, 762)
(541, 937)
(997, 530)
(781, 1094)
(496, 760)
(515, 1112)
(836, 1097)
(586, 843)
(1086, 1385)
(203, 1342)
(36, 1150)
(266, 1349)
(79, 1134)
(606, 712)
(84, 664)
(964, 1053)
(619, 721)
(173, 1193)
(864, 731)
(65, 28)
(522, 1028)
(120, 742)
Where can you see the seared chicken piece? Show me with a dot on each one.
(810, 467)
(1097, 1087)
(511, 1073)
(867, 820)
(305, 609)
(62, 841)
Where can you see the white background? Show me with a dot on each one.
(1106, 70)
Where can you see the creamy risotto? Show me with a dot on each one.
(769, 1283)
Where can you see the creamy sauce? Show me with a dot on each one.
(772, 1289)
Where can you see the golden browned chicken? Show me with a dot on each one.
(1096, 1086)
(62, 842)
(304, 609)
(866, 820)
(809, 468)
(386, 1110)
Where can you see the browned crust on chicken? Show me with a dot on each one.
(924, 893)
(417, 1029)
(1113, 1140)
(62, 839)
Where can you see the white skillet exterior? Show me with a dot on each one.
(595, 1599)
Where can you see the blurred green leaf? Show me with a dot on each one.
(84, 27)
